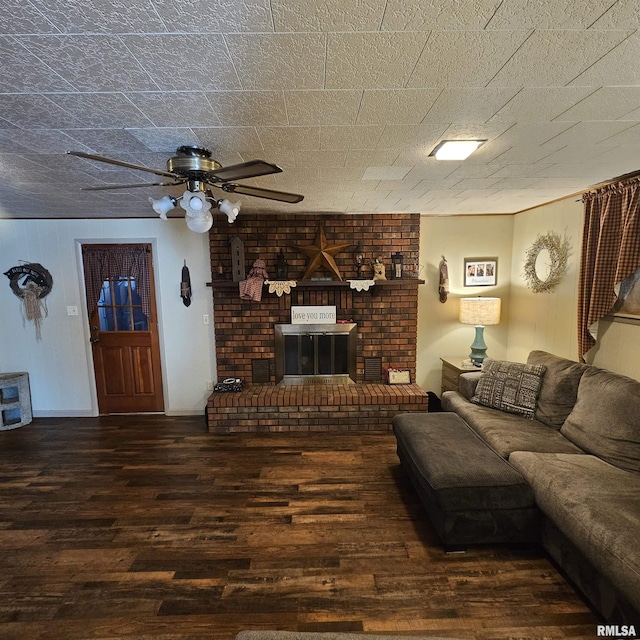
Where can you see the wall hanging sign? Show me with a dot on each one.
(32, 283)
(480, 272)
(546, 262)
(312, 314)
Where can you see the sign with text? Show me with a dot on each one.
(309, 314)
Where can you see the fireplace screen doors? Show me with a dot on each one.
(315, 354)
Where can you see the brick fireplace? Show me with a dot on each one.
(385, 316)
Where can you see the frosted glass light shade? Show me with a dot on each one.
(456, 149)
(480, 311)
(199, 224)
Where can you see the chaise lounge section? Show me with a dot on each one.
(578, 450)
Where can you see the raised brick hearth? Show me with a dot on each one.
(356, 407)
(386, 318)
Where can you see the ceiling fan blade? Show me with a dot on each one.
(132, 186)
(120, 163)
(249, 169)
(269, 194)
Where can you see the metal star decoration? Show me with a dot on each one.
(321, 254)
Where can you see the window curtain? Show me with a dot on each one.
(102, 263)
(610, 252)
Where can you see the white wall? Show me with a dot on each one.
(546, 321)
(439, 331)
(59, 365)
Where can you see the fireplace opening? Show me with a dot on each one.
(316, 353)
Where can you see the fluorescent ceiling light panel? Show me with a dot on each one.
(456, 149)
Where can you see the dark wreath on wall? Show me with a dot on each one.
(32, 283)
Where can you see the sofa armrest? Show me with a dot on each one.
(467, 383)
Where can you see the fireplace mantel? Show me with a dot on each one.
(325, 284)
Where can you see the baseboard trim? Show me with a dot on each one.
(69, 413)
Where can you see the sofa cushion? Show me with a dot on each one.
(506, 432)
(509, 386)
(596, 506)
(559, 387)
(605, 420)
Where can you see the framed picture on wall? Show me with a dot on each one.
(480, 272)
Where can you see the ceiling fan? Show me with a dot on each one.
(194, 167)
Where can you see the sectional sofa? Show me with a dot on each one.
(579, 451)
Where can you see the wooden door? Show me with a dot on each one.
(126, 351)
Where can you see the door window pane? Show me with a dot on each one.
(120, 306)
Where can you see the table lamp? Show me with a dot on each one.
(479, 312)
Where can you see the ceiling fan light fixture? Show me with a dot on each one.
(199, 224)
(230, 209)
(163, 205)
(455, 149)
(196, 206)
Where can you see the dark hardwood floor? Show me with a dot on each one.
(150, 527)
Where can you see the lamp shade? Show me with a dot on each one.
(480, 311)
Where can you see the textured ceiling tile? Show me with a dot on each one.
(207, 16)
(576, 153)
(623, 14)
(175, 109)
(464, 58)
(170, 61)
(468, 104)
(408, 15)
(34, 112)
(556, 14)
(18, 16)
(42, 141)
(289, 138)
(618, 67)
(377, 157)
(102, 16)
(278, 61)
(396, 106)
(106, 140)
(328, 159)
(588, 133)
(90, 63)
(327, 15)
(249, 108)
(372, 60)
(165, 140)
(607, 103)
(356, 137)
(100, 110)
(513, 171)
(541, 105)
(415, 135)
(385, 173)
(23, 72)
(322, 107)
(231, 140)
(533, 132)
(535, 63)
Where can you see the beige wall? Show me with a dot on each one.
(439, 332)
(545, 321)
(618, 348)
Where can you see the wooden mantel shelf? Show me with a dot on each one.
(324, 284)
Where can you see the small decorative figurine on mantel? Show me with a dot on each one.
(379, 270)
(282, 266)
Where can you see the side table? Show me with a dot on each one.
(452, 369)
